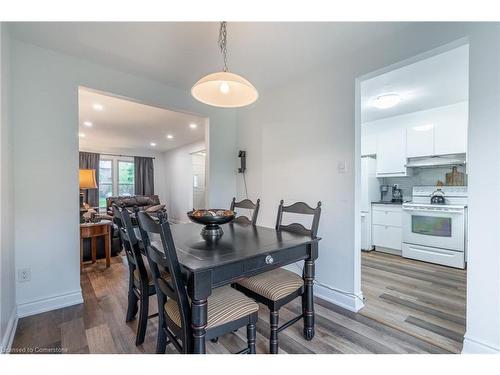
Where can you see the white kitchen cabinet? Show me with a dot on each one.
(420, 141)
(369, 144)
(386, 227)
(391, 152)
(450, 137)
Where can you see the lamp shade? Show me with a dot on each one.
(87, 179)
(224, 89)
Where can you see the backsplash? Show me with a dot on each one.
(421, 176)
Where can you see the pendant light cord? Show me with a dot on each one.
(223, 42)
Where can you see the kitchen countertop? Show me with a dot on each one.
(389, 202)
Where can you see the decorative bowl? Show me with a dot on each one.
(211, 219)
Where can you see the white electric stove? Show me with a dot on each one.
(436, 233)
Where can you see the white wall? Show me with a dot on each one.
(45, 120)
(7, 273)
(296, 134)
(178, 172)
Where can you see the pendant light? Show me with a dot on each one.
(224, 89)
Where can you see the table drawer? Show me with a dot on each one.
(94, 230)
(386, 217)
(273, 260)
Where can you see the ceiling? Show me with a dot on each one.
(437, 81)
(129, 125)
(179, 53)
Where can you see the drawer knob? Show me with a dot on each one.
(269, 259)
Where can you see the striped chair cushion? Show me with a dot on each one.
(224, 305)
(274, 284)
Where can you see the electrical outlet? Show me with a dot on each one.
(24, 275)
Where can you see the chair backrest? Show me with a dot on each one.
(249, 205)
(130, 241)
(299, 208)
(166, 260)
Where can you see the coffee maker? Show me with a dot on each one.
(397, 194)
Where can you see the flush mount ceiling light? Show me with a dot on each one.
(386, 101)
(224, 89)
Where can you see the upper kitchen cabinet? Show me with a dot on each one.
(420, 140)
(368, 142)
(391, 151)
(450, 130)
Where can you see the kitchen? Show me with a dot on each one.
(414, 195)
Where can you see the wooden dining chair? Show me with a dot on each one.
(228, 309)
(278, 287)
(249, 205)
(141, 285)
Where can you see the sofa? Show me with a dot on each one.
(150, 203)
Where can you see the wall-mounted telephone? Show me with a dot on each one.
(243, 161)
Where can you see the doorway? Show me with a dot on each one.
(411, 124)
(198, 160)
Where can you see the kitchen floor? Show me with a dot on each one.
(425, 300)
(98, 326)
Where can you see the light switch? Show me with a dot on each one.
(341, 167)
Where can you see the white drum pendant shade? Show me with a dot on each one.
(224, 89)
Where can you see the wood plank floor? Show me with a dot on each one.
(423, 299)
(98, 325)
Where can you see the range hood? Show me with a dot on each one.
(436, 161)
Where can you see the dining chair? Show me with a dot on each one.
(278, 287)
(227, 311)
(141, 285)
(249, 205)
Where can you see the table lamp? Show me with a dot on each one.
(87, 181)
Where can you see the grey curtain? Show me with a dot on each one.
(144, 176)
(90, 160)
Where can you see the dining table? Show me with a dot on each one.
(243, 250)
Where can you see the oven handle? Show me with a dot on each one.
(448, 210)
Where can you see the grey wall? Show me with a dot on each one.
(7, 273)
(45, 118)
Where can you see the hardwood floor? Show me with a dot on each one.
(98, 325)
(425, 300)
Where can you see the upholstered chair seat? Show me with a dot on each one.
(274, 285)
(224, 305)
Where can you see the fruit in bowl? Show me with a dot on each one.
(212, 219)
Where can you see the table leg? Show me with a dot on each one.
(81, 254)
(198, 325)
(93, 249)
(107, 249)
(308, 299)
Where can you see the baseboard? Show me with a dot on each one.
(10, 332)
(350, 302)
(49, 303)
(472, 346)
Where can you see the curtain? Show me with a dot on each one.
(90, 160)
(144, 176)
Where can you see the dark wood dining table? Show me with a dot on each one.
(242, 251)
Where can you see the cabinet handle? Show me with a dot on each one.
(269, 259)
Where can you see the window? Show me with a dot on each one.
(105, 181)
(125, 177)
(116, 177)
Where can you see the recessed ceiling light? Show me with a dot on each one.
(423, 128)
(386, 101)
(152, 144)
(88, 124)
(97, 107)
(170, 136)
(193, 126)
(81, 135)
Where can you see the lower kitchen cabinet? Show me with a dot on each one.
(386, 227)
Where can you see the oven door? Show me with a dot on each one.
(434, 227)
